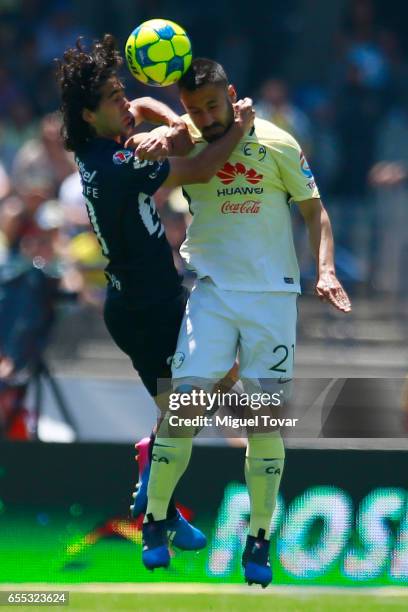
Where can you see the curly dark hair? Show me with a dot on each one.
(81, 75)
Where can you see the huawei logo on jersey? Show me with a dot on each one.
(230, 172)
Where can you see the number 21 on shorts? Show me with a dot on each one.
(283, 354)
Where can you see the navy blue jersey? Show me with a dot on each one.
(118, 190)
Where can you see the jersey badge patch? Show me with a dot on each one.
(122, 157)
(304, 166)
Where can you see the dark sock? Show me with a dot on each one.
(171, 510)
(151, 444)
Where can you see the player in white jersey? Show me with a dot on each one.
(240, 245)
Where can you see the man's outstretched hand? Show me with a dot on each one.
(151, 146)
(161, 142)
(329, 289)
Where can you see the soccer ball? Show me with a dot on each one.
(158, 52)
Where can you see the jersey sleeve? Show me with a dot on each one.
(138, 175)
(294, 170)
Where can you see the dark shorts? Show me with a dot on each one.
(148, 335)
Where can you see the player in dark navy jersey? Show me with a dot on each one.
(118, 189)
(145, 301)
(118, 186)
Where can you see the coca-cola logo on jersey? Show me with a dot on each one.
(251, 207)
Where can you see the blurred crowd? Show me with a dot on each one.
(352, 125)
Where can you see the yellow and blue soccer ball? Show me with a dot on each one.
(158, 52)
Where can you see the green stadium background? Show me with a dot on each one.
(64, 517)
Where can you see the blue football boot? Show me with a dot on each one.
(255, 560)
(155, 551)
(182, 535)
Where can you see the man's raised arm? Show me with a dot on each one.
(151, 110)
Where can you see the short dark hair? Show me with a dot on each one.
(81, 75)
(203, 71)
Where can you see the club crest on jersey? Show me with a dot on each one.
(253, 149)
(304, 166)
(122, 157)
(230, 172)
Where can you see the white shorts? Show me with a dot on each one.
(218, 324)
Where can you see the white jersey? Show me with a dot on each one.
(241, 231)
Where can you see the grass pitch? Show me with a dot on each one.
(224, 602)
(225, 598)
